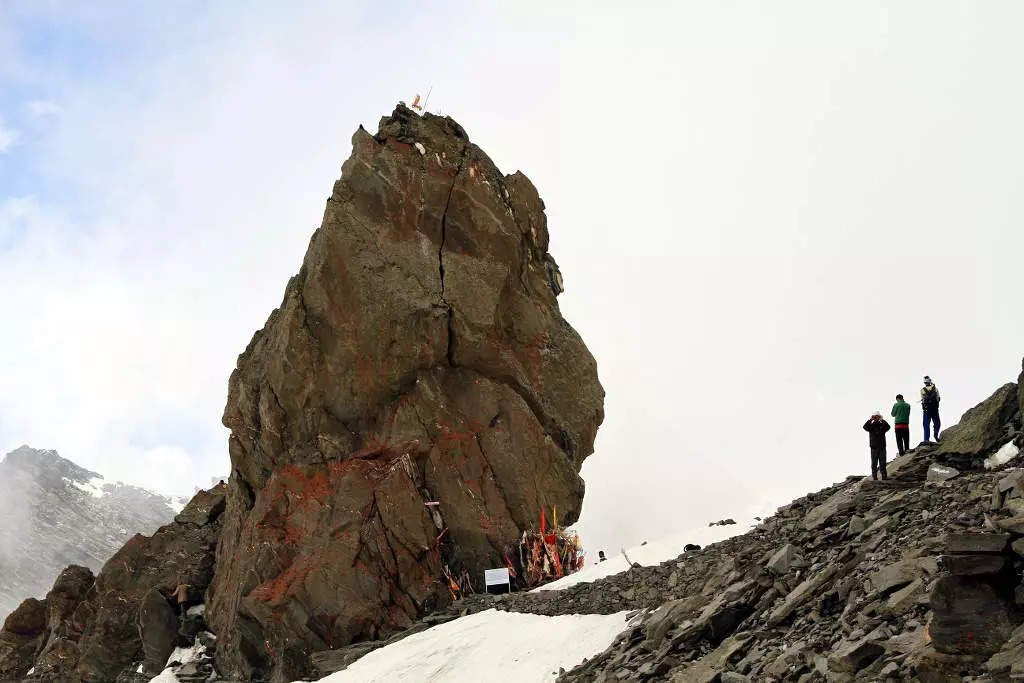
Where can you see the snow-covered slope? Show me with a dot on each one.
(489, 646)
(651, 553)
(54, 513)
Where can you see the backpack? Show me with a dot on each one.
(930, 398)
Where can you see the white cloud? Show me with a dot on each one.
(758, 247)
(43, 109)
(8, 137)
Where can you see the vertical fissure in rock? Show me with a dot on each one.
(440, 261)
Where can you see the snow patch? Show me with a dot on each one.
(656, 552)
(196, 610)
(1004, 455)
(422, 150)
(166, 676)
(94, 487)
(181, 655)
(488, 646)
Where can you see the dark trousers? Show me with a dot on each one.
(902, 438)
(931, 417)
(878, 463)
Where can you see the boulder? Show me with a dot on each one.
(158, 629)
(28, 620)
(418, 356)
(969, 617)
(983, 428)
(20, 639)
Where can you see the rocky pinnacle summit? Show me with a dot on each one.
(419, 356)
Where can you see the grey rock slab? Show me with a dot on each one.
(802, 593)
(852, 657)
(974, 565)
(896, 575)
(1009, 659)
(904, 598)
(695, 672)
(937, 472)
(840, 501)
(783, 559)
(976, 543)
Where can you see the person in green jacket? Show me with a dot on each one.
(901, 418)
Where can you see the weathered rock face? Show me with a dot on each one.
(418, 356)
(982, 429)
(1020, 390)
(97, 629)
(21, 638)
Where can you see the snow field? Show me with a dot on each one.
(489, 646)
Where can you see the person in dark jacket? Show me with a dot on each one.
(876, 427)
(930, 406)
(901, 421)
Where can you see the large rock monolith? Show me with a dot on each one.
(419, 356)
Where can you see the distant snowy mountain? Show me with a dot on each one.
(54, 513)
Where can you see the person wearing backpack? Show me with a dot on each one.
(901, 418)
(876, 427)
(930, 406)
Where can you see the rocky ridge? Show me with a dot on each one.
(121, 624)
(54, 513)
(918, 578)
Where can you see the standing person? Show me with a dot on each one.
(877, 427)
(901, 419)
(930, 406)
(181, 596)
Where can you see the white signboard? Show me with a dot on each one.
(497, 580)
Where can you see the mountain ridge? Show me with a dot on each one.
(55, 513)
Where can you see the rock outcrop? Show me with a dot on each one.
(982, 429)
(120, 624)
(66, 515)
(419, 356)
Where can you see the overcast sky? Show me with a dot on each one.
(770, 217)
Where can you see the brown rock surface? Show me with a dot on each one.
(21, 638)
(419, 355)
